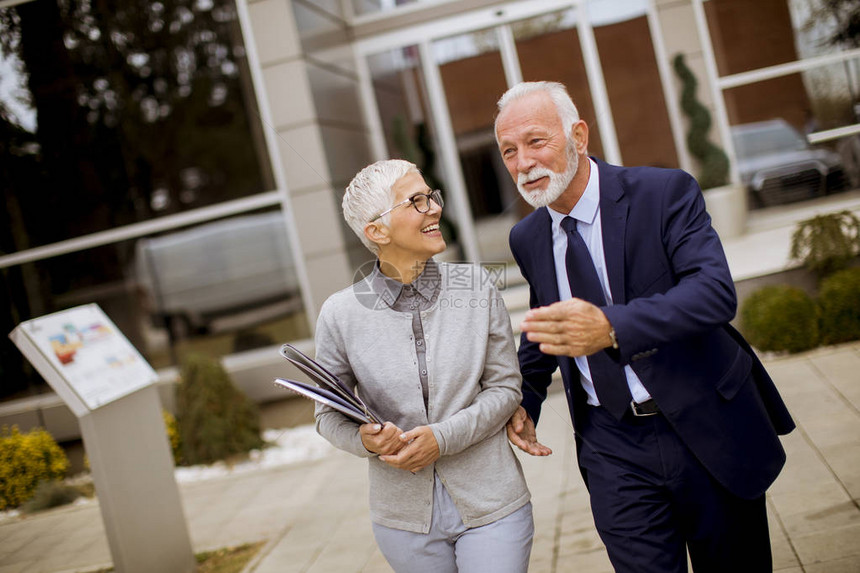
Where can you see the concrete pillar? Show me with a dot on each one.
(305, 168)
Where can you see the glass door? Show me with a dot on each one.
(435, 94)
(473, 77)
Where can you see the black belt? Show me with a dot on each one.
(646, 408)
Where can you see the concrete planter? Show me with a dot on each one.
(727, 206)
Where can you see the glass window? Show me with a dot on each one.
(773, 120)
(473, 78)
(751, 35)
(114, 117)
(633, 85)
(398, 87)
(770, 121)
(549, 49)
(362, 7)
(123, 115)
(217, 288)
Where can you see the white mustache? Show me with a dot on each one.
(533, 175)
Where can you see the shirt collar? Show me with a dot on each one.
(588, 205)
(427, 283)
(389, 289)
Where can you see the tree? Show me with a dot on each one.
(141, 109)
(846, 16)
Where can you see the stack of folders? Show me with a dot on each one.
(329, 389)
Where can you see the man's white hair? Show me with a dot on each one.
(565, 107)
(369, 194)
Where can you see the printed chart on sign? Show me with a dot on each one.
(93, 356)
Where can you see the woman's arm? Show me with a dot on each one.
(500, 386)
(499, 396)
(342, 432)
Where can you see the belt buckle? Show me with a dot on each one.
(639, 413)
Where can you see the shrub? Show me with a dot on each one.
(173, 436)
(51, 493)
(214, 418)
(26, 460)
(839, 301)
(780, 317)
(712, 159)
(826, 243)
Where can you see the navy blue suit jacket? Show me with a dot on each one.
(673, 299)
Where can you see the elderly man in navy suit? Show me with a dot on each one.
(676, 420)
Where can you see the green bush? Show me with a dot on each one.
(780, 317)
(215, 419)
(173, 436)
(839, 300)
(51, 493)
(26, 460)
(826, 243)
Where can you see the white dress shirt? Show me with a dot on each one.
(587, 215)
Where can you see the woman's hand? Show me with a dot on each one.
(381, 440)
(419, 450)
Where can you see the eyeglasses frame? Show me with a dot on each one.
(429, 195)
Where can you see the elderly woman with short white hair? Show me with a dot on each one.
(428, 346)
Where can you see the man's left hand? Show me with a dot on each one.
(572, 327)
(419, 451)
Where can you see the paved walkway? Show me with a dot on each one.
(314, 519)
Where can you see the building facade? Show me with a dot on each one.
(182, 163)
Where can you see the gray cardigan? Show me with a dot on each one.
(474, 387)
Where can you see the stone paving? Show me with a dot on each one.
(313, 515)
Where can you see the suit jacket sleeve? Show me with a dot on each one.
(536, 367)
(687, 289)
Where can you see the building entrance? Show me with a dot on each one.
(431, 93)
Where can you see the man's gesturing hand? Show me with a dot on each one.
(572, 327)
(419, 450)
(522, 434)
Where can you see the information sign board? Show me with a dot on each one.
(83, 356)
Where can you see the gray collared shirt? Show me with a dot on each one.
(413, 298)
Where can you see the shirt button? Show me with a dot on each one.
(419, 343)
(424, 372)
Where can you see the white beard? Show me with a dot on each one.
(558, 182)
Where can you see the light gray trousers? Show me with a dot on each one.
(503, 546)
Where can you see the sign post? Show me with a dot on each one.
(110, 388)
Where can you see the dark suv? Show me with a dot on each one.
(778, 166)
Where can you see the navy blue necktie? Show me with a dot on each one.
(609, 379)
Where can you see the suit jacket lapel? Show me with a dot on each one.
(544, 263)
(546, 259)
(613, 216)
(546, 276)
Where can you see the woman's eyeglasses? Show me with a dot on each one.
(421, 202)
